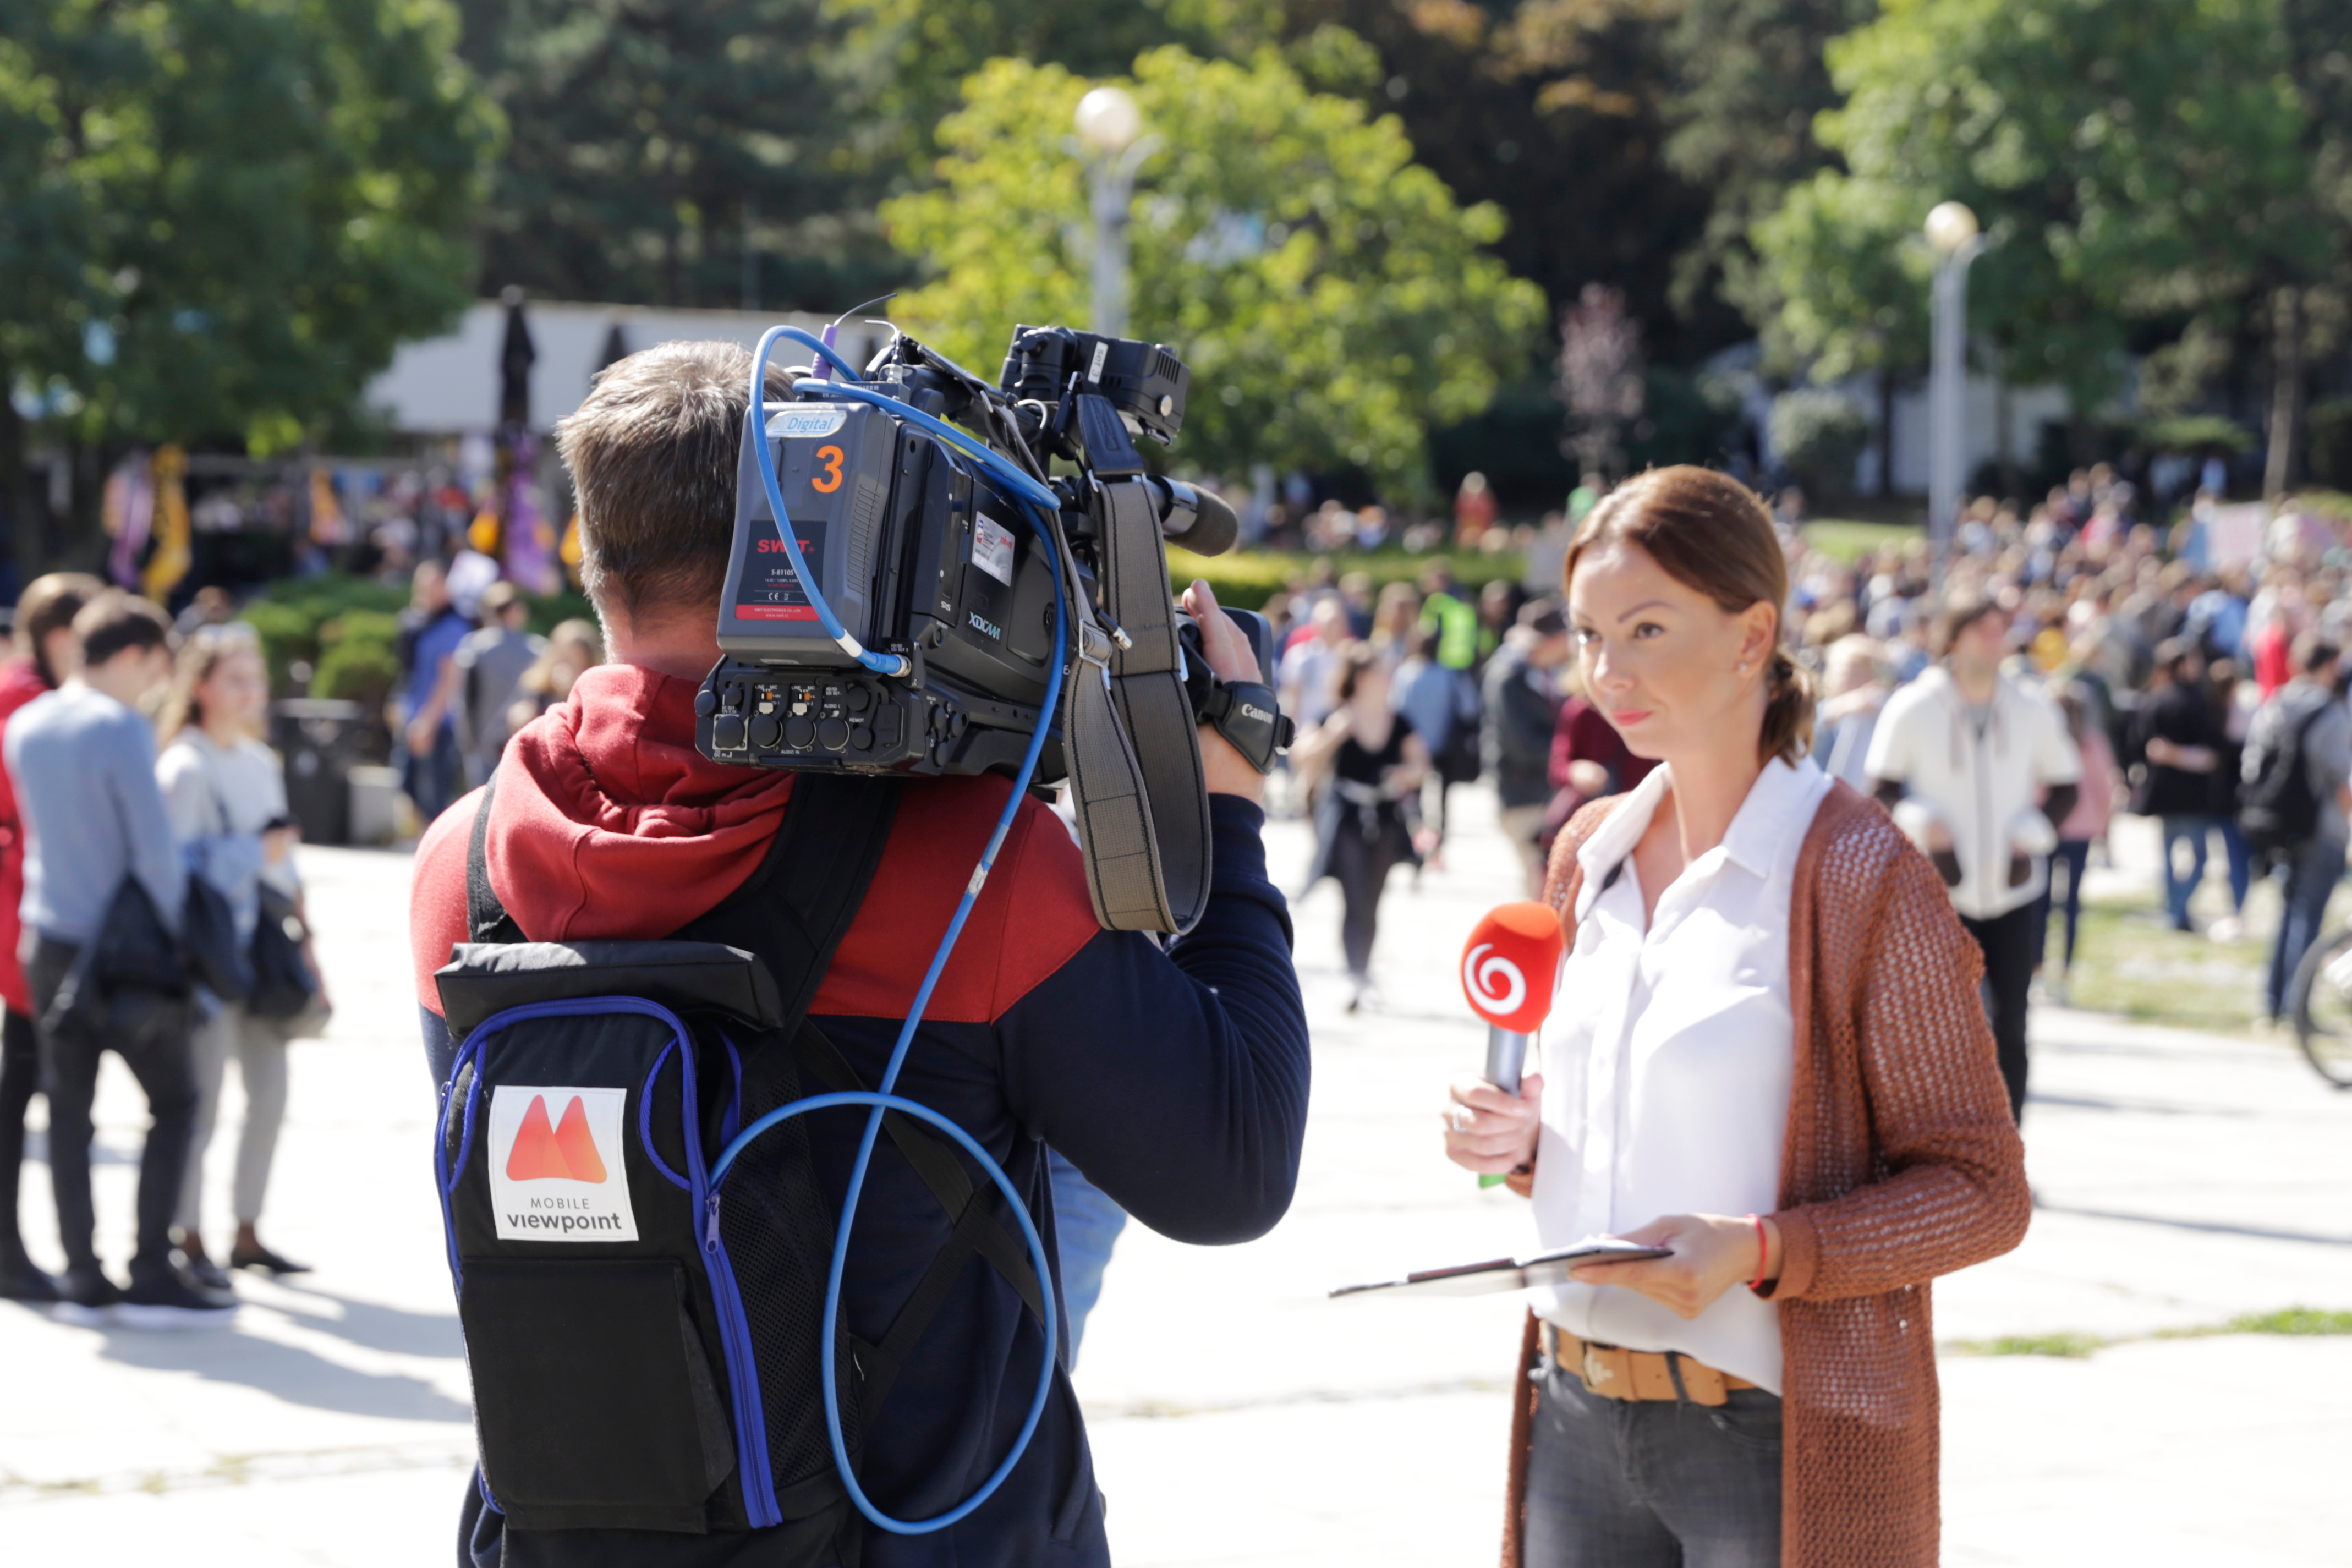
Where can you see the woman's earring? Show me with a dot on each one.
(1743, 667)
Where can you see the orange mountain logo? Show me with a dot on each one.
(565, 1149)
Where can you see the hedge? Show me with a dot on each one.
(1245, 580)
(347, 630)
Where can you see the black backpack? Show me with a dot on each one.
(643, 1339)
(2278, 811)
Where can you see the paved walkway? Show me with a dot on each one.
(1238, 1416)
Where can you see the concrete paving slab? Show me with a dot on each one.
(1238, 1416)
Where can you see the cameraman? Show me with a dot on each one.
(1175, 1080)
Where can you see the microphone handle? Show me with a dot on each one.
(1507, 1052)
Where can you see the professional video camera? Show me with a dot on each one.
(942, 602)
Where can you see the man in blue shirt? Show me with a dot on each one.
(429, 633)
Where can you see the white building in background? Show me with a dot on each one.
(2028, 409)
(449, 386)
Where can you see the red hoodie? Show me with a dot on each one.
(20, 682)
(608, 824)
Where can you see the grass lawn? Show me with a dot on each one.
(1846, 539)
(2130, 961)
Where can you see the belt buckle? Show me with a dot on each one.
(1597, 1372)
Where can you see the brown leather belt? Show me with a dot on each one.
(1614, 1371)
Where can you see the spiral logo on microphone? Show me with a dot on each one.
(1492, 979)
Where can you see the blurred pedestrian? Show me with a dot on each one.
(1766, 1059)
(83, 761)
(1393, 619)
(1474, 511)
(430, 630)
(1310, 669)
(1375, 765)
(2233, 701)
(1448, 611)
(1499, 612)
(490, 664)
(574, 648)
(1520, 708)
(1978, 772)
(1853, 691)
(2086, 825)
(1589, 759)
(1443, 705)
(226, 794)
(2298, 760)
(2177, 743)
(45, 657)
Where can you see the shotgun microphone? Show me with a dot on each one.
(1508, 967)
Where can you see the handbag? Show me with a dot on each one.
(278, 984)
(208, 939)
(282, 986)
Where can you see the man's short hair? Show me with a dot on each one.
(2313, 651)
(1961, 611)
(49, 604)
(653, 454)
(495, 600)
(115, 620)
(2174, 652)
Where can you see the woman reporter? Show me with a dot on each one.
(1769, 1058)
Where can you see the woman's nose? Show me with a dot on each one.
(1605, 673)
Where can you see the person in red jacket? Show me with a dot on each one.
(45, 655)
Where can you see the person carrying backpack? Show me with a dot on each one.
(677, 948)
(2292, 806)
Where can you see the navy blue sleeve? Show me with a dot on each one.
(1177, 1081)
(440, 1050)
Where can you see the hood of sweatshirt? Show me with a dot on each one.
(607, 823)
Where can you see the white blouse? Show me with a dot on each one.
(1666, 1062)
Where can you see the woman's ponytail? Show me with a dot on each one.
(1788, 730)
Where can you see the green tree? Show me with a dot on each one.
(701, 153)
(2127, 158)
(222, 215)
(1331, 297)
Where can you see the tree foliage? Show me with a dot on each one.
(219, 217)
(655, 142)
(1332, 298)
(2127, 158)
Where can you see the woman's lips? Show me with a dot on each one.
(1624, 716)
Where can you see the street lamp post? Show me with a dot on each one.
(1110, 130)
(1952, 236)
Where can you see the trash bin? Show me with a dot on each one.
(320, 739)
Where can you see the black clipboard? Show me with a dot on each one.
(1498, 1275)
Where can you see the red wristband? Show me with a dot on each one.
(1763, 1253)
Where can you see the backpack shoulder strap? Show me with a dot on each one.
(815, 876)
(485, 919)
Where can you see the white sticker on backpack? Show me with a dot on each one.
(992, 549)
(558, 1170)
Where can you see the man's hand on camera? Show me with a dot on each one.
(1228, 651)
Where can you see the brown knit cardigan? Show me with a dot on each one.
(1901, 1164)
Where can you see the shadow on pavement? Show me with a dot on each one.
(379, 1327)
(287, 1372)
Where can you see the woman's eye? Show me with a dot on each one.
(1649, 629)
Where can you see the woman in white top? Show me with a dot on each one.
(226, 794)
(1689, 1038)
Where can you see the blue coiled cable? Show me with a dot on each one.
(1026, 492)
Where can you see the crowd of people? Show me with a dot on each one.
(146, 850)
(2188, 684)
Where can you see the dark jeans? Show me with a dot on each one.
(20, 1078)
(431, 778)
(2007, 941)
(2311, 876)
(1619, 1484)
(2192, 830)
(1362, 865)
(2074, 855)
(69, 1077)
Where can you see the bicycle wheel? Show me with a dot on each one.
(2319, 999)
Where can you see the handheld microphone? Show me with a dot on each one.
(1508, 967)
